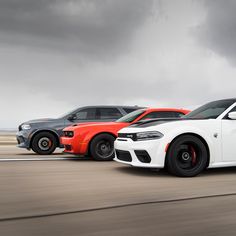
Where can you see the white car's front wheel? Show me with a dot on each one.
(187, 156)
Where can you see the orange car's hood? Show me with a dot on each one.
(97, 124)
(92, 123)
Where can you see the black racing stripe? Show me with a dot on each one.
(153, 122)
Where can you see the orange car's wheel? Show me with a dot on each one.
(102, 147)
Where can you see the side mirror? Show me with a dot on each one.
(72, 117)
(232, 115)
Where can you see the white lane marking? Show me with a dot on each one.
(38, 159)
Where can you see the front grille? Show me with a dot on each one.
(20, 140)
(123, 155)
(143, 156)
(132, 136)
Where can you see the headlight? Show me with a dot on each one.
(148, 135)
(69, 134)
(25, 127)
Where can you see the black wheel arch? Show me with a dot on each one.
(197, 136)
(45, 130)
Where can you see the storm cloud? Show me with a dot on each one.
(56, 55)
(218, 32)
(98, 28)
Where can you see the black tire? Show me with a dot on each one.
(44, 143)
(102, 147)
(187, 156)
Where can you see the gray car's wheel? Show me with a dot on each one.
(44, 143)
(102, 147)
(187, 156)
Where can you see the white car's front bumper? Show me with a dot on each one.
(127, 152)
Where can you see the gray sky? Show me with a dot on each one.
(56, 55)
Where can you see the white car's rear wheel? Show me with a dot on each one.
(187, 156)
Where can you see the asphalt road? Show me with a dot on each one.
(61, 195)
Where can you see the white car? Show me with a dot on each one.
(205, 138)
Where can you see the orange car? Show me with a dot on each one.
(97, 139)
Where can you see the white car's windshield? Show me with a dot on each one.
(131, 116)
(210, 110)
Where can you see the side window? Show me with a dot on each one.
(86, 114)
(108, 113)
(129, 110)
(178, 114)
(232, 110)
(162, 114)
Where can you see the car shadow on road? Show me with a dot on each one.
(219, 171)
(163, 173)
(35, 154)
(142, 171)
(60, 155)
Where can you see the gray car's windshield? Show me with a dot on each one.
(68, 113)
(131, 116)
(210, 110)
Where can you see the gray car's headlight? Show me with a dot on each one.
(148, 135)
(25, 127)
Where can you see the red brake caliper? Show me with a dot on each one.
(194, 156)
(49, 143)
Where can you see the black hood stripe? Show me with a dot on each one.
(153, 122)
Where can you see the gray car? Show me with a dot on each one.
(43, 135)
